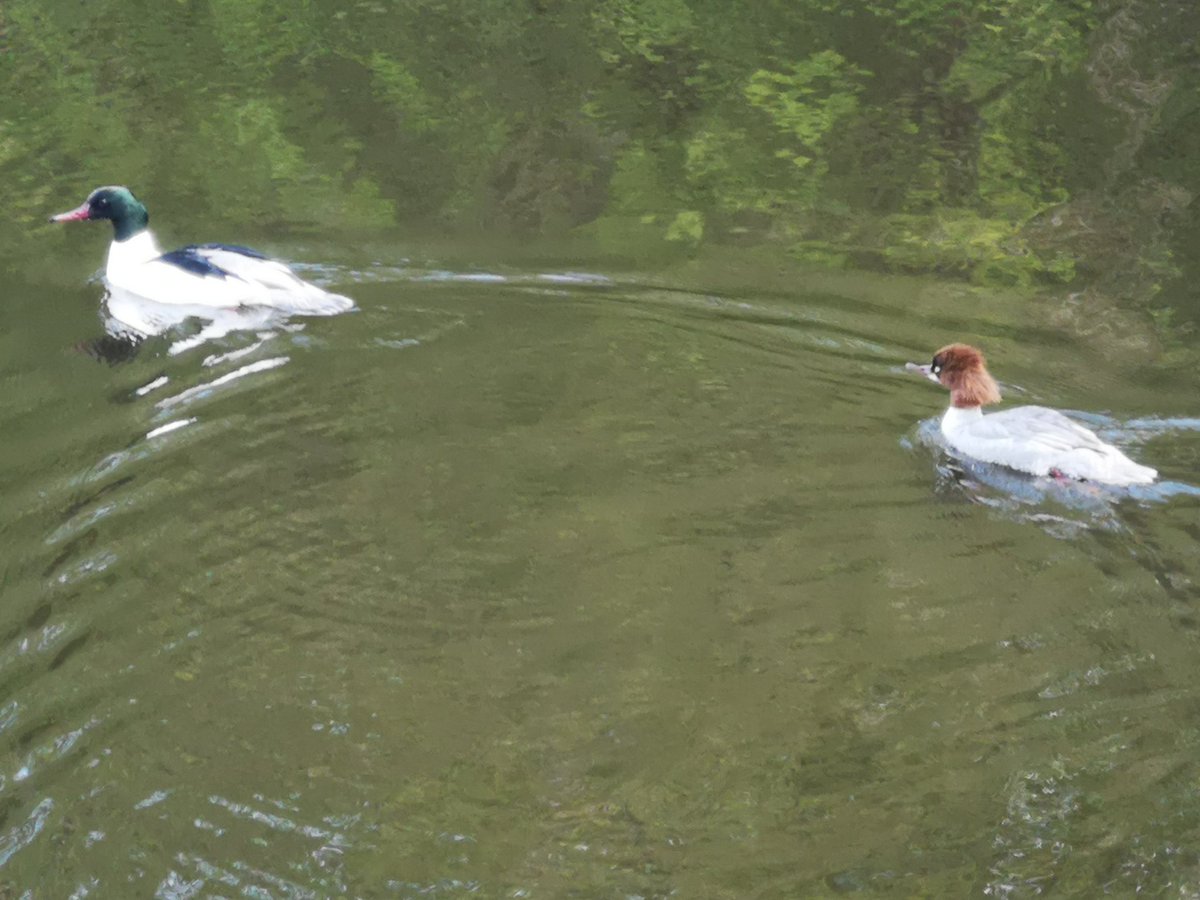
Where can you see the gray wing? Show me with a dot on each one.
(1048, 428)
(249, 265)
(281, 287)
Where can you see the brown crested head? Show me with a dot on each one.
(962, 369)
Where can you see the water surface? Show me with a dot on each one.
(560, 581)
(606, 550)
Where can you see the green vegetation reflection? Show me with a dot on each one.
(1018, 142)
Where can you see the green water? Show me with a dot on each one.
(583, 586)
(607, 550)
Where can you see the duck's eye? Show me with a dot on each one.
(937, 368)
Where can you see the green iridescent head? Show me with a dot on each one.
(115, 203)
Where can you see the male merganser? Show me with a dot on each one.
(1030, 439)
(223, 276)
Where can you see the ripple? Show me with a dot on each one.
(390, 273)
(169, 427)
(21, 836)
(271, 820)
(595, 570)
(205, 389)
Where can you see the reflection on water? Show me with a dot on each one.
(531, 584)
(130, 319)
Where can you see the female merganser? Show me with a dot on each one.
(208, 275)
(1030, 439)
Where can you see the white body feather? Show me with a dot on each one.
(136, 266)
(1040, 441)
